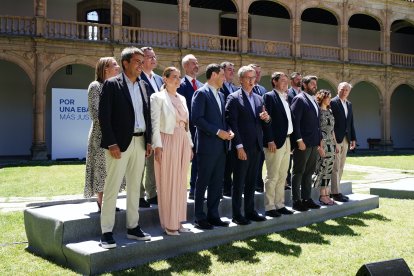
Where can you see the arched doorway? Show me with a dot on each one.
(74, 76)
(365, 100)
(402, 113)
(324, 84)
(16, 110)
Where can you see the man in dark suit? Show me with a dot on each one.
(295, 88)
(188, 86)
(259, 90)
(212, 136)
(246, 115)
(154, 83)
(344, 134)
(124, 117)
(307, 139)
(277, 145)
(227, 89)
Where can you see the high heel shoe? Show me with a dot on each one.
(326, 203)
(172, 233)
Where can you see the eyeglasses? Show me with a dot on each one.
(249, 78)
(151, 57)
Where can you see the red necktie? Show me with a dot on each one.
(194, 84)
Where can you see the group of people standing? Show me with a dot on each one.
(225, 131)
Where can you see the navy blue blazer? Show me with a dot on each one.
(226, 92)
(291, 94)
(208, 120)
(246, 125)
(306, 123)
(344, 126)
(186, 89)
(158, 81)
(277, 130)
(259, 90)
(116, 113)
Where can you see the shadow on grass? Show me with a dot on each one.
(370, 216)
(46, 163)
(264, 244)
(335, 230)
(192, 262)
(299, 236)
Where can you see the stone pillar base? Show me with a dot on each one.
(39, 152)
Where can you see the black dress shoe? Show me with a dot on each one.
(311, 204)
(218, 222)
(203, 224)
(191, 196)
(284, 211)
(153, 200)
(227, 194)
(299, 206)
(259, 190)
(256, 217)
(340, 197)
(241, 220)
(143, 203)
(273, 213)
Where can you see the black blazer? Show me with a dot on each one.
(246, 125)
(306, 123)
(186, 89)
(344, 126)
(291, 94)
(116, 113)
(277, 130)
(158, 81)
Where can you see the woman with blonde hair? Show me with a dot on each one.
(106, 67)
(172, 145)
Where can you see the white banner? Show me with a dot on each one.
(70, 123)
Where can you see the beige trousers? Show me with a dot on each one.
(131, 165)
(338, 167)
(148, 186)
(277, 165)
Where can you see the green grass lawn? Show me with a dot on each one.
(334, 247)
(403, 162)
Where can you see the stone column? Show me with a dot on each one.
(116, 20)
(184, 23)
(40, 16)
(296, 33)
(344, 42)
(39, 149)
(243, 27)
(386, 40)
(385, 105)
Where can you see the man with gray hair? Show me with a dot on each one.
(246, 116)
(188, 86)
(345, 136)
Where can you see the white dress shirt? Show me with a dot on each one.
(135, 92)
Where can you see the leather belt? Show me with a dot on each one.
(138, 134)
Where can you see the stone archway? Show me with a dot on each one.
(401, 114)
(80, 78)
(16, 110)
(365, 98)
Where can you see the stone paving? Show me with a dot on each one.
(376, 177)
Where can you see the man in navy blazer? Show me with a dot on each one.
(124, 117)
(345, 136)
(277, 145)
(227, 89)
(154, 82)
(212, 136)
(295, 88)
(188, 86)
(246, 116)
(307, 141)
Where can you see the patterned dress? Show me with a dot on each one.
(95, 157)
(324, 165)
